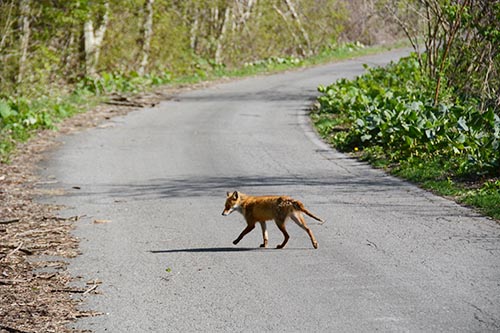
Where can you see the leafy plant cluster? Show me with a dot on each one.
(392, 108)
(132, 82)
(389, 117)
(19, 117)
(273, 61)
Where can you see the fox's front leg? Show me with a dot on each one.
(264, 234)
(244, 232)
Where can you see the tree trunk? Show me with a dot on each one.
(248, 12)
(220, 39)
(244, 12)
(193, 38)
(148, 31)
(93, 41)
(24, 23)
(6, 31)
(292, 32)
(303, 31)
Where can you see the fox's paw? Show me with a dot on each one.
(236, 242)
(263, 245)
(279, 246)
(315, 244)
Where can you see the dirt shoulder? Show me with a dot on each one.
(36, 292)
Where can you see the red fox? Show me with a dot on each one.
(264, 208)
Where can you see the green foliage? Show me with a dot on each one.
(487, 196)
(461, 42)
(389, 118)
(393, 108)
(183, 32)
(53, 46)
(275, 62)
(126, 83)
(474, 64)
(19, 117)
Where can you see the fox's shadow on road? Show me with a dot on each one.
(225, 250)
(206, 250)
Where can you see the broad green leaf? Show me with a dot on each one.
(5, 110)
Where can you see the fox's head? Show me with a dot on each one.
(232, 203)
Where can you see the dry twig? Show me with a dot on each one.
(12, 252)
(9, 221)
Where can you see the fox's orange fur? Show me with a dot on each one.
(264, 208)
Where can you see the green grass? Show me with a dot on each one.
(487, 201)
(439, 176)
(278, 64)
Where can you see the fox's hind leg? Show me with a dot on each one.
(281, 226)
(299, 219)
(264, 233)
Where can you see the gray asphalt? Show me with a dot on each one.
(391, 257)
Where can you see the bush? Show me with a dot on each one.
(19, 117)
(393, 108)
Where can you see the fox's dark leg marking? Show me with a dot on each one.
(281, 226)
(243, 233)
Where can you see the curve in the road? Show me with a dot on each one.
(391, 257)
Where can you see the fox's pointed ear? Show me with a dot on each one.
(228, 194)
(235, 195)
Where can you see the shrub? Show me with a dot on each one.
(393, 108)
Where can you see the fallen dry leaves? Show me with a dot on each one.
(33, 245)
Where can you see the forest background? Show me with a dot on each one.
(56, 43)
(57, 56)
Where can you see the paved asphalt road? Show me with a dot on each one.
(391, 257)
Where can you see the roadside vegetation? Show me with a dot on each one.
(60, 58)
(434, 117)
(21, 116)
